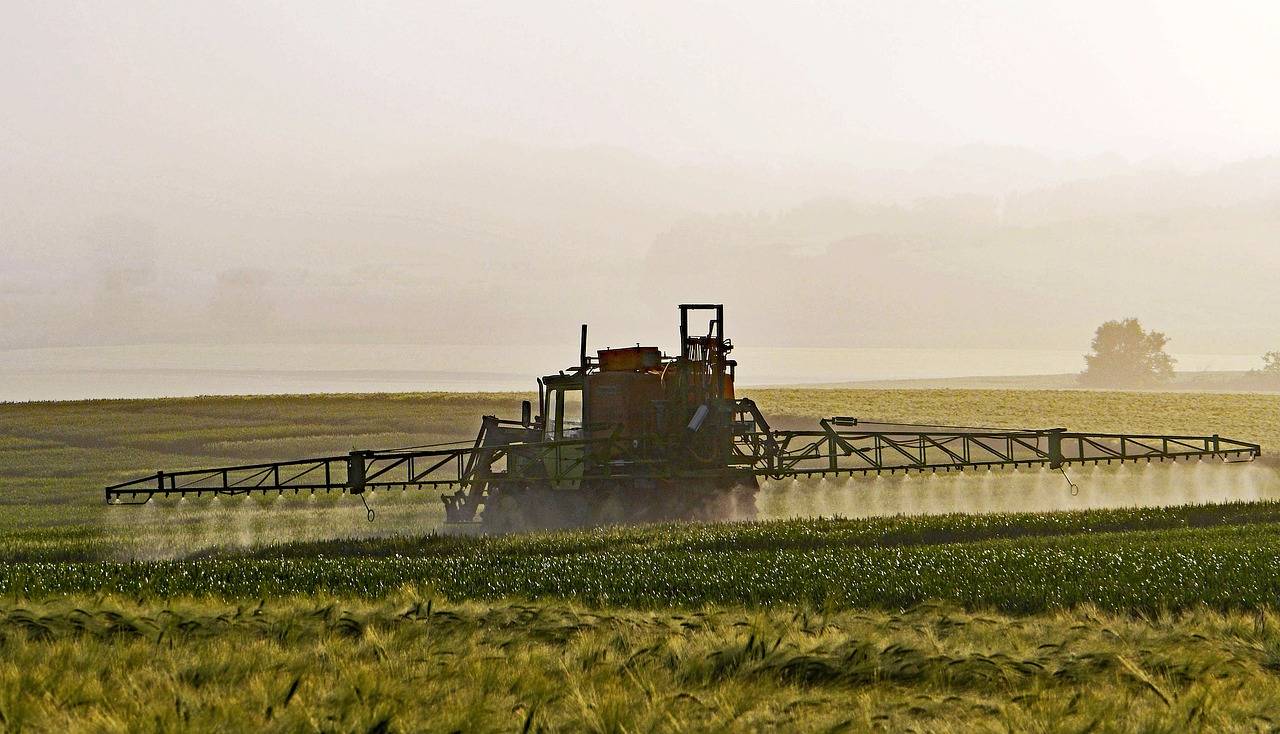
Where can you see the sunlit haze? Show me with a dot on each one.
(914, 175)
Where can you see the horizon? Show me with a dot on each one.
(188, 370)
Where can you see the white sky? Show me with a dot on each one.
(336, 144)
(684, 81)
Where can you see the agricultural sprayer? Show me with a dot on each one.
(635, 435)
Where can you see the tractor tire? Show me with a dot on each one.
(519, 509)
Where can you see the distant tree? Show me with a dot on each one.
(1271, 363)
(1127, 356)
(1267, 378)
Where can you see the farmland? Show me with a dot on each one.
(294, 613)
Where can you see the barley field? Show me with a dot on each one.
(408, 662)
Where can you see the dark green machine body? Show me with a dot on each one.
(634, 434)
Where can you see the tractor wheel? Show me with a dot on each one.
(503, 513)
(711, 503)
(520, 509)
(725, 504)
(609, 507)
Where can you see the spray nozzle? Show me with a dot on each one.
(1075, 488)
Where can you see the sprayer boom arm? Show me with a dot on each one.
(842, 447)
(639, 435)
(849, 452)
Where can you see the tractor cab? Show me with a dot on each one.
(561, 407)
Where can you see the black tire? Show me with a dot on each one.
(517, 509)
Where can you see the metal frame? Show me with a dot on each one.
(734, 445)
(834, 450)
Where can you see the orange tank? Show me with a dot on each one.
(630, 359)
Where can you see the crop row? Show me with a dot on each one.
(1225, 568)
(207, 531)
(799, 533)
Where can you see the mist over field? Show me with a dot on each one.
(942, 176)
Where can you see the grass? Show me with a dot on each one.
(292, 614)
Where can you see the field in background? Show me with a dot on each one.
(247, 614)
(1205, 381)
(56, 457)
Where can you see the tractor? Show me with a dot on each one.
(635, 435)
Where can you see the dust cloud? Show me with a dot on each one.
(1022, 490)
(175, 528)
(168, 529)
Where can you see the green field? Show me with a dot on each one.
(296, 614)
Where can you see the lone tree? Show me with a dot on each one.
(1267, 378)
(1271, 364)
(1125, 355)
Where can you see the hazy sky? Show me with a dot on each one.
(304, 170)
(678, 81)
(815, 80)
